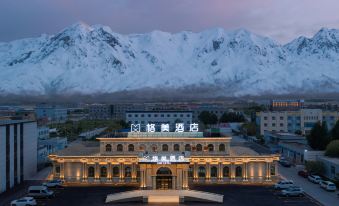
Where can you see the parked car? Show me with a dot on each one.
(327, 185)
(293, 191)
(314, 178)
(25, 201)
(303, 173)
(53, 183)
(283, 184)
(285, 163)
(40, 192)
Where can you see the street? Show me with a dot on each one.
(314, 190)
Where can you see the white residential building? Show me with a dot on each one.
(18, 152)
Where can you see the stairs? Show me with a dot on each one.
(164, 196)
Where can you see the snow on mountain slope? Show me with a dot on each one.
(93, 59)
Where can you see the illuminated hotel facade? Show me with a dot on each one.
(163, 160)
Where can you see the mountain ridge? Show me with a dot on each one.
(95, 60)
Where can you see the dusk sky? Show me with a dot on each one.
(281, 20)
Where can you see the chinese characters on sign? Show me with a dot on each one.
(163, 159)
(179, 127)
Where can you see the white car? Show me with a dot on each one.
(53, 183)
(283, 184)
(293, 191)
(327, 185)
(25, 201)
(314, 178)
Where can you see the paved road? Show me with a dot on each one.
(314, 190)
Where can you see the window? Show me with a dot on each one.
(168, 115)
(273, 118)
(265, 118)
(154, 148)
(210, 148)
(120, 148)
(129, 115)
(128, 172)
(281, 118)
(57, 169)
(175, 115)
(149, 115)
(115, 171)
(187, 147)
(265, 124)
(108, 148)
(176, 147)
(162, 115)
(201, 171)
(142, 115)
(135, 115)
(281, 124)
(90, 172)
(199, 147)
(181, 115)
(131, 148)
(238, 171)
(273, 124)
(188, 115)
(214, 171)
(142, 148)
(103, 172)
(164, 147)
(155, 115)
(222, 148)
(226, 171)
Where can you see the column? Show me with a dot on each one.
(109, 172)
(244, 172)
(232, 168)
(53, 171)
(96, 172)
(268, 171)
(134, 172)
(220, 178)
(174, 182)
(195, 172)
(208, 172)
(62, 170)
(122, 172)
(142, 179)
(84, 171)
(276, 169)
(154, 183)
(185, 179)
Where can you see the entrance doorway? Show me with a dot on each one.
(164, 179)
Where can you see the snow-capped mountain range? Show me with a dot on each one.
(87, 59)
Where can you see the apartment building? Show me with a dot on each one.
(18, 152)
(292, 121)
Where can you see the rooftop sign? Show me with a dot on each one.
(179, 127)
(163, 159)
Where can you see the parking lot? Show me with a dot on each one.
(234, 195)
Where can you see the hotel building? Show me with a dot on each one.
(162, 160)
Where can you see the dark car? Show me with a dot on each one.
(285, 163)
(303, 173)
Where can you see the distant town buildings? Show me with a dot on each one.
(286, 105)
(18, 152)
(301, 121)
(159, 117)
(54, 114)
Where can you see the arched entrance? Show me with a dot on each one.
(164, 179)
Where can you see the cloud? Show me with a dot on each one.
(282, 20)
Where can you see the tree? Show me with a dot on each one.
(232, 117)
(332, 149)
(318, 138)
(335, 131)
(315, 167)
(208, 118)
(249, 128)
